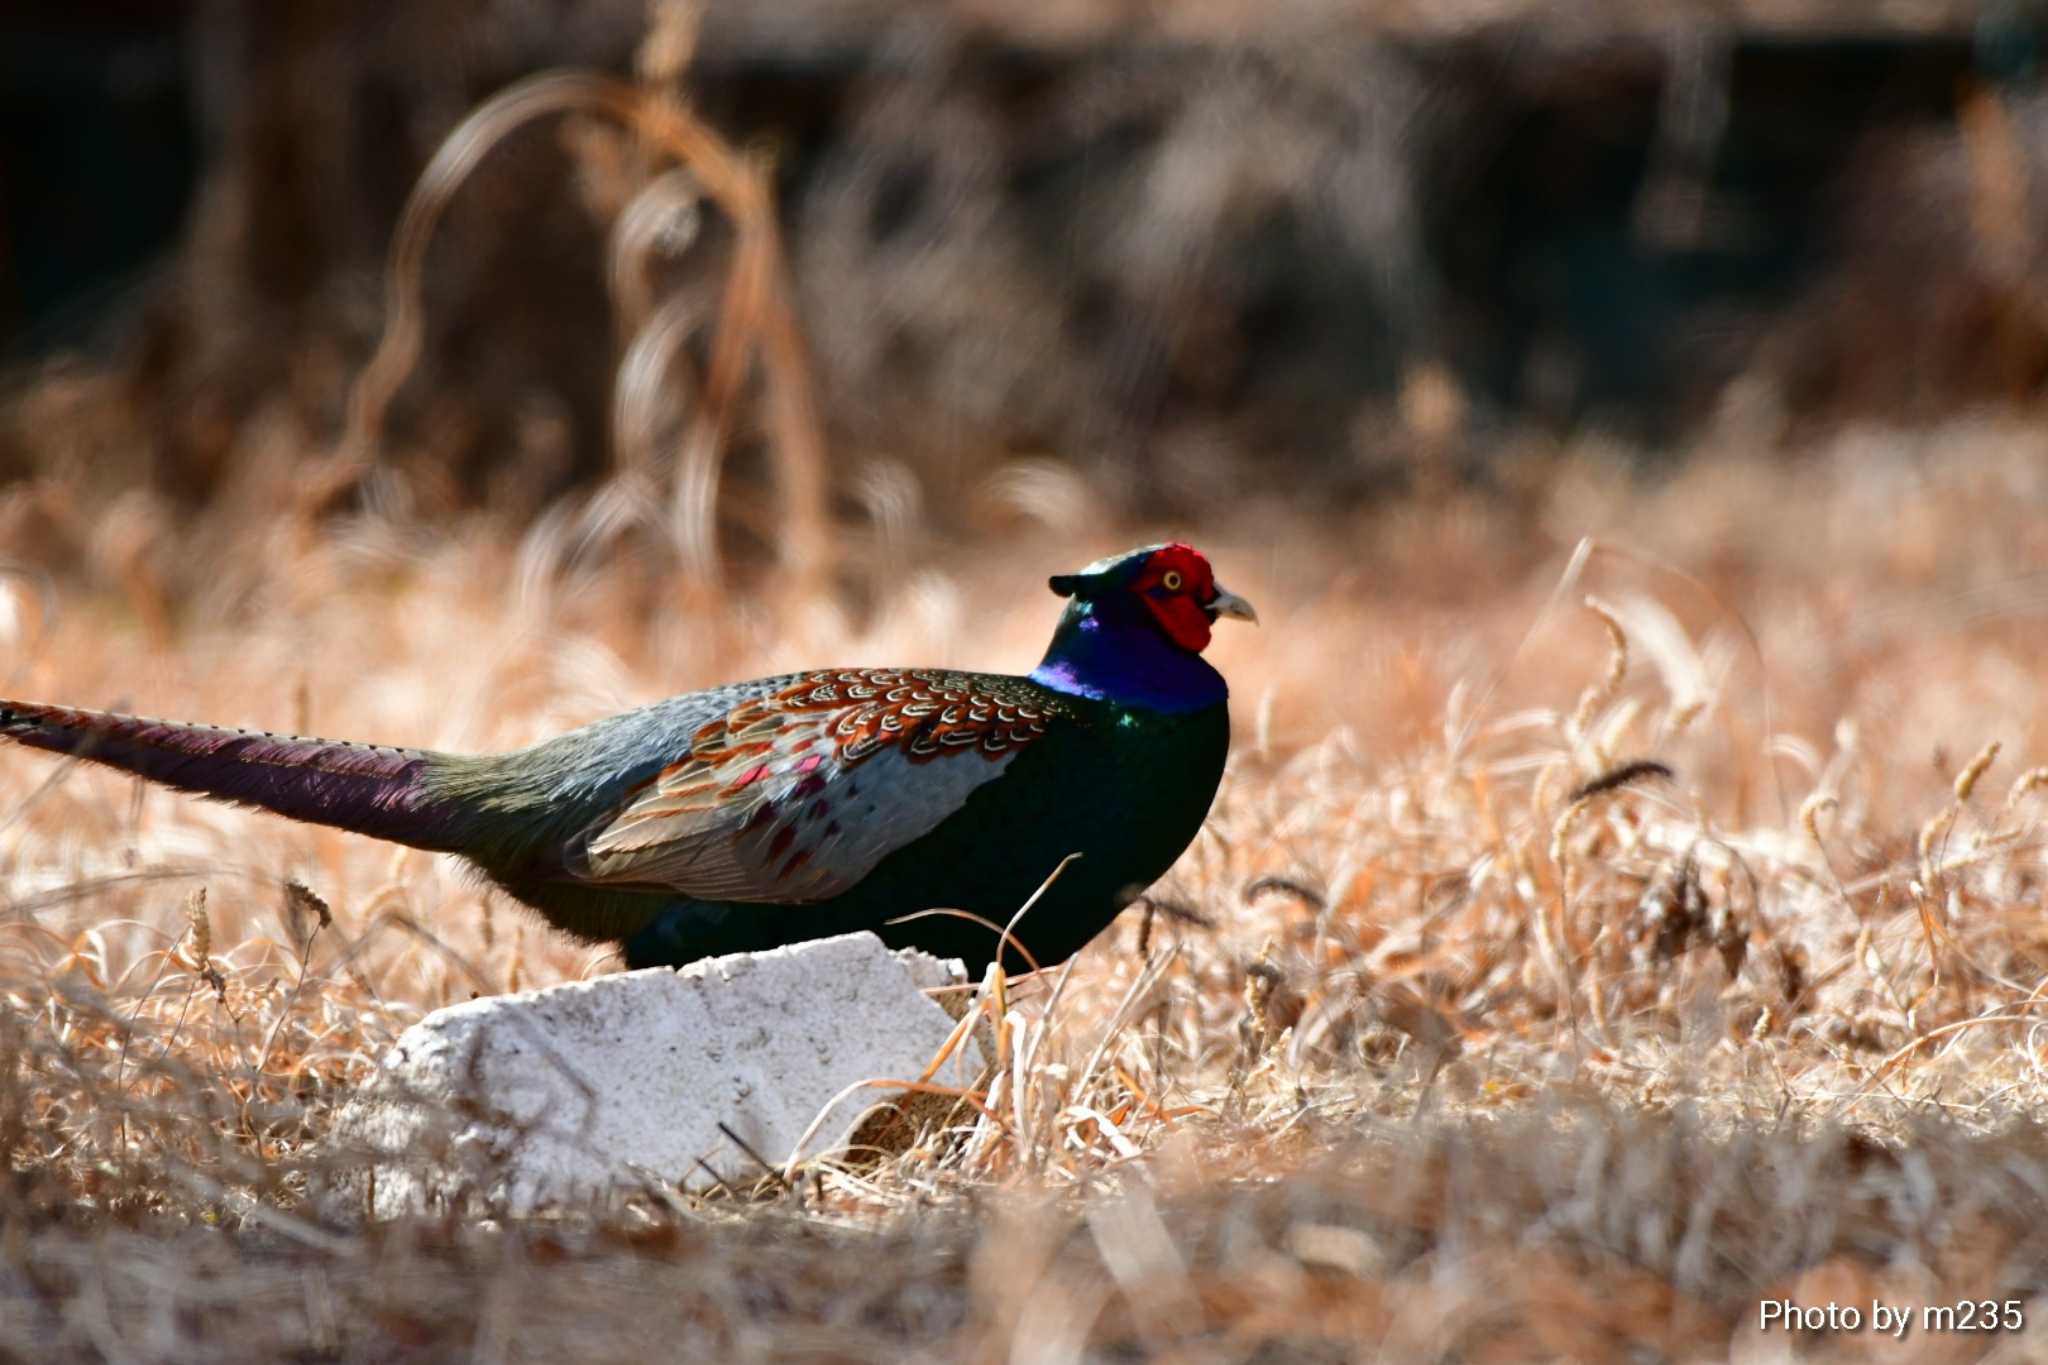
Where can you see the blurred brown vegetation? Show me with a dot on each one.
(1180, 256)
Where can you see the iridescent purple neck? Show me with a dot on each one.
(1112, 651)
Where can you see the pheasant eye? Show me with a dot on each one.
(1172, 580)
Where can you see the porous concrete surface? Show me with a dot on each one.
(514, 1102)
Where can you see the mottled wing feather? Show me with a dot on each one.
(794, 796)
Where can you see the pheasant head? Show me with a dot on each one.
(1135, 628)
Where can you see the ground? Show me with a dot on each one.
(1460, 1032)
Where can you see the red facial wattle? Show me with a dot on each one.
(1174, 584)
(1181, 619)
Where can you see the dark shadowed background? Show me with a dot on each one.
(1184, 252)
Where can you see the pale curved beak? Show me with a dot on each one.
(1231, 605)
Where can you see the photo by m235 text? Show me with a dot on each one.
(1895, 1320)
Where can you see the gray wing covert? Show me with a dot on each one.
(793, 795)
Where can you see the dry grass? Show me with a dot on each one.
(1481, 1056)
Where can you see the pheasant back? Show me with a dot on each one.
(926, 805)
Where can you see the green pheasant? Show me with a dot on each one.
(795, 807)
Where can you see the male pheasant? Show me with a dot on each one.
(795, 807)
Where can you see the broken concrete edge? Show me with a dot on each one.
(510, 1103)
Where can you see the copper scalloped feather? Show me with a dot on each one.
(795, 795)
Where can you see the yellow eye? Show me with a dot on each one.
(1172, 580)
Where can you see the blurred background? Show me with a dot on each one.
(1195, 254)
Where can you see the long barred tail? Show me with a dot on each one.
(368, 789)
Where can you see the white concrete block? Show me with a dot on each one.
(560, 1094)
